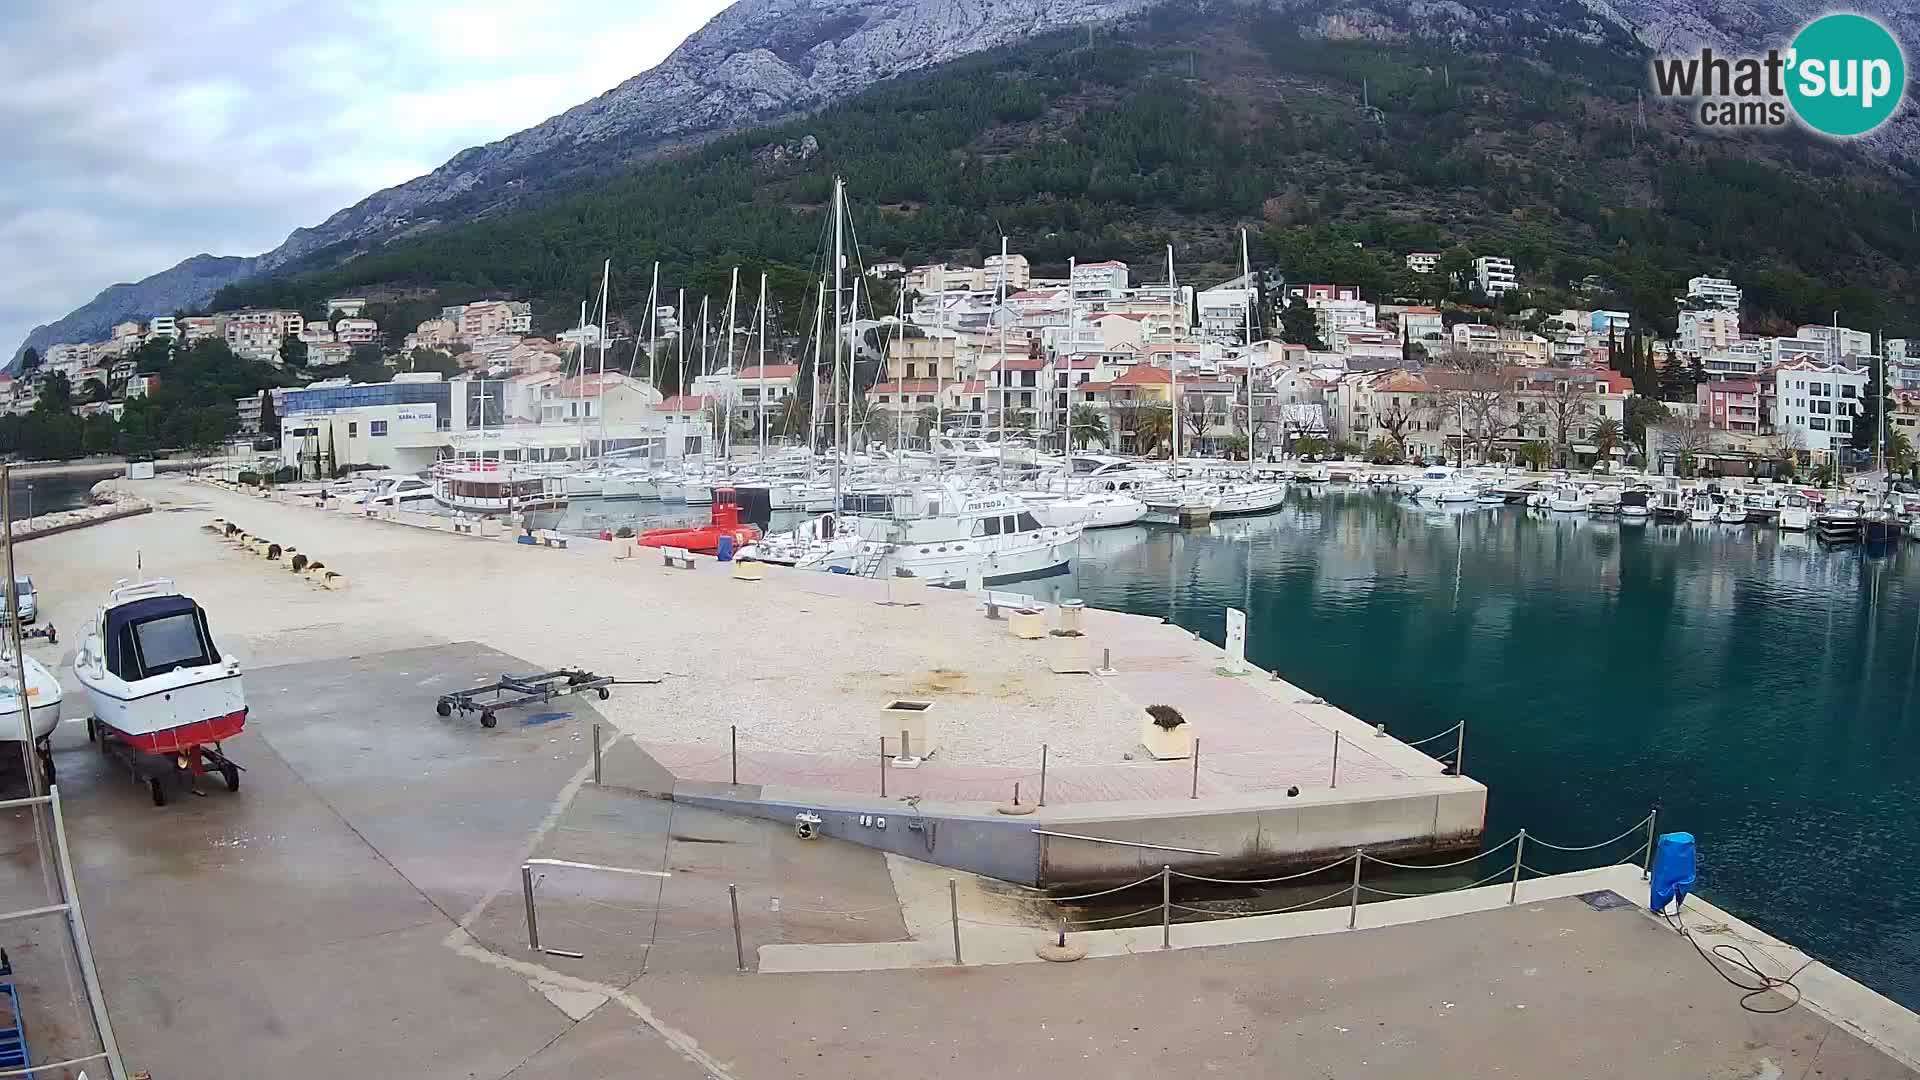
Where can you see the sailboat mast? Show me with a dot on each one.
(1173, 354)
(600, 383)
(839, 272)
(653, 327)
(680, 346)
(1066, 383)
(580, 374)
(900, 415)
(760, 399)
(819, 347)
(733, 294)
(1000, 467)
(939, 373)
(1246, 283)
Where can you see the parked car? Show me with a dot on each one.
(29, 603)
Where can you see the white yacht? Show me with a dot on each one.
(398, 492)
(942, 535)
(1090, 510)
(1733, 511)
(43, 707)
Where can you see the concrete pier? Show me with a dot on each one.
(356, 910)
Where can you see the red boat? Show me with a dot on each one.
(705, 539)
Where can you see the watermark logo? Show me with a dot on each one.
(1843, 75)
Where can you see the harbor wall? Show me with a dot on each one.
(1241, 836)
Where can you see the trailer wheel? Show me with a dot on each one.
(231, 774)
(158, 790)
(605, 693)
(487, 719)
(443, 707)
(92, 735)
(46, 766)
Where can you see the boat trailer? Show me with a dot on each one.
(154, 769)
(513, 691)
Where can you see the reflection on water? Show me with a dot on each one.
(1756, 686)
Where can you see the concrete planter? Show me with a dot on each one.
(1027, 625)
(1164, 744)
(623, 547)
(905, 730)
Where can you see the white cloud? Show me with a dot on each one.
(143, 132)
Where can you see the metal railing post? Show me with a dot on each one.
(883, 766)
(596, 755)
(1166, 906)
(1334, 780)
(533, 921)
(1196, 770)
(82, 947)
(1653, 817)
(739, 950)
(1519, 850)
(1353, 902)
(733, 754)
(1460, 750)
(1043, 774)
(953, 908)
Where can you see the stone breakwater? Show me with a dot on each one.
(111, 502)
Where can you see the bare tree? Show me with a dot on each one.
(1569, 404)
(1686, 436)
(1480, 397)
(1197, 414)
(1397, 419)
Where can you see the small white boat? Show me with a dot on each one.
(1490, 496)
(43, 707)
(159, 684)
(1700, 507)
(398, 492)
(1796, 513)
(1733, 511)
(1567, 499)
(1092, 510)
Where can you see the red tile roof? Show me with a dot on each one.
(683, 403)
(769, 372)
(1145, 375)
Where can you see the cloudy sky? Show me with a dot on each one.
(140, 132)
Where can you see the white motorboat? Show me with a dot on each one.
(1633, 506)
(1796, 512)
(944, 535)
(1490, 496)
(398, 492)
(158, 682)
(43, 707)
(1092, 510)
(626, 484)
(1230, 499)
(1700, 507)
(1568, 499)
(1733, 511)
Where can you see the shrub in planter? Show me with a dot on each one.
(624, 532)
(1165, 717)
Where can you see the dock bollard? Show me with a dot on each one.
(1166, 906)
(533, 923)
(739, 950)
(1353, 902)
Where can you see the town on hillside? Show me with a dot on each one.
(1097, 358)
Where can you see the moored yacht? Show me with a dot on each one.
(499, 489)
(942, 535)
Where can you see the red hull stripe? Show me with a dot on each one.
(186, 736)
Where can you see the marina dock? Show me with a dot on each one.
(363, 891)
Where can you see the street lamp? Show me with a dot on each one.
(29, 506)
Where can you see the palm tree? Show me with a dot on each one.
(1087, 425)
(1152, 428)
(1606, 436)
(928, 419)
(1309, 446)
(1900, 457)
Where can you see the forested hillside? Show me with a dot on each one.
(1340, 155)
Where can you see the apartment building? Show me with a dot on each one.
(1817, 402)
(1100, 280)
(1708, 330)
(1423, 262)
(1732, 405)
(1718, 292)
(1495, 275)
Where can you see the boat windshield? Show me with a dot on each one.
(169, 642)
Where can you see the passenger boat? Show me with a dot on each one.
(158, 683)
(498, 489)
(43, 706)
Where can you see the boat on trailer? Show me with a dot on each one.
(164, 698)
(43, 704)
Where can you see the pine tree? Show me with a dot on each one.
(1697, 372)
(1675, 383)
(1874, 404)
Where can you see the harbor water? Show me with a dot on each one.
(1756, 687)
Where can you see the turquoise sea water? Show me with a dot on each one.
(1759, 688)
